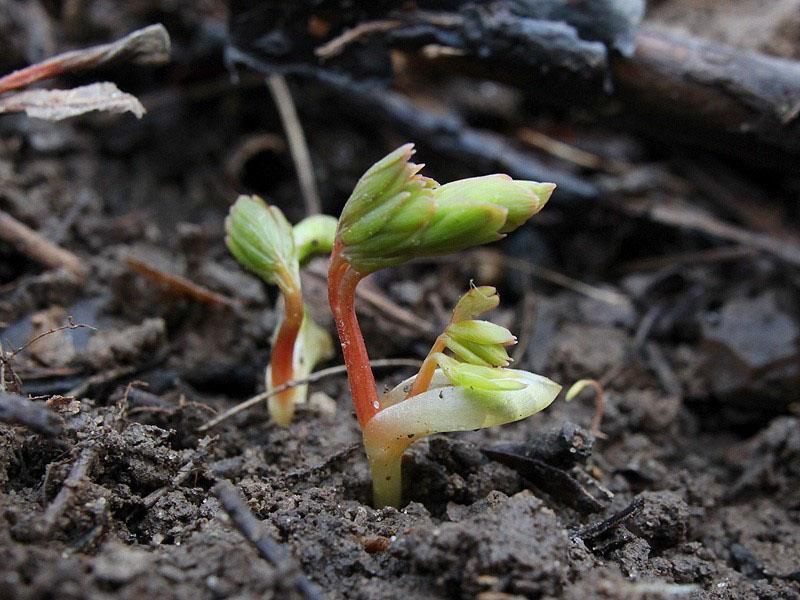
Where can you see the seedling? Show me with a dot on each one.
(470, 389)
(394, 215)
(263, 241)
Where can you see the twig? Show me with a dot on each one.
(316, 376)
(383, 304)
(36, 417)
(148, 45)
(254, 532)
(695, 220)
(37, 247)
(297, 142)
(559, 149)
(80, 469)
(603, 528)
(248, 147)
(611, 297)
(712, 255)
(180, 286)
(99, 379)
(183, 473)
(6, 358)
(340, 42)
(70, 325)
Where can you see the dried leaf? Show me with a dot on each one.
(56, 105)
(150, 45)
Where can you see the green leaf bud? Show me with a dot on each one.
(481, 332)
(522, 199)
(475, 302)
(459, 225)
(260, 238)
(395, 215)
(478, 378)
(488, 355)
(382, 182)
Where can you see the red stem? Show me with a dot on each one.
(342, 282)
(423, 379)
(283, 350)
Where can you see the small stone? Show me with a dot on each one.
(119, 564)
(662, 520)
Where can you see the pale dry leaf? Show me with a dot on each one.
(56, 105)
(149, 45)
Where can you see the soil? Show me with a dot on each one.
(692, 488)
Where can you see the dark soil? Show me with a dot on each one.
(692, 492)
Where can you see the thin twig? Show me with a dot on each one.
(316, 376)
(382, 303)
(180, 286)
(569, 153)
(37, 247)
(711, 255)
(80, 469)
(598, 530)
(101, 378)
(611, 297)
(254, 532)
(183, 473)
(693, 219)
(70, 325)
(297, 142)
(340, 42)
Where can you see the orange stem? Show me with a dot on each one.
(342, 282)
(282, 360)
(423, 379)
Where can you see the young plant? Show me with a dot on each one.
(394, 215)
(471, 389)
(263, 241)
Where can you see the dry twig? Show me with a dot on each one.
(565, 151)
(340, 42)
(297, 142)
(180, 286)
(79, 471)
(254, 532)
(316, 376)
(382, 303)
(6, 358)
(183, 473)
(35, 246)
(690, 218)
